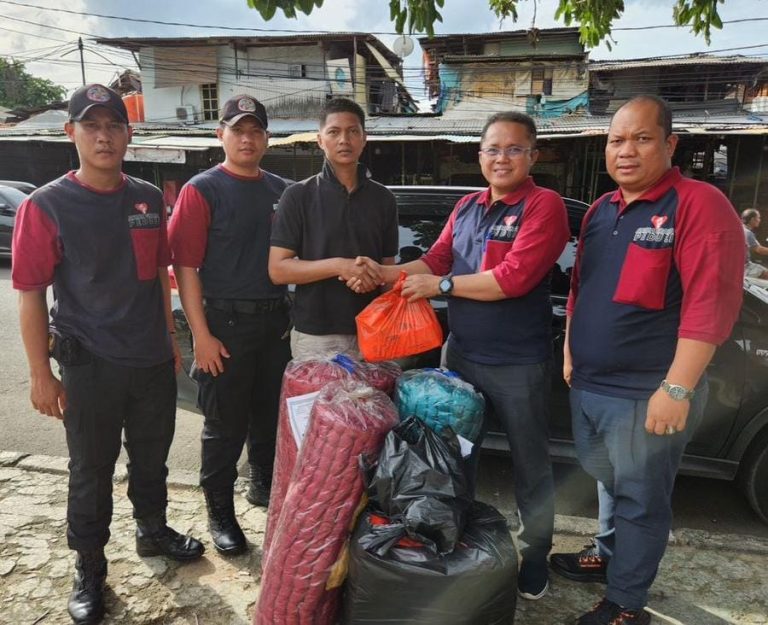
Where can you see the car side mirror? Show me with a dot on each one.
(410, 253)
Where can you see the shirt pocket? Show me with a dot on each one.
(494, 254)
(146, 242)
(644, 276)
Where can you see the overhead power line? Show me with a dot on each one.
(304, 31)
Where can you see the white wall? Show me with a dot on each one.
(261, 72)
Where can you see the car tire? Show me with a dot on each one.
(753, 475)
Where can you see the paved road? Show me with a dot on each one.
(699, 503)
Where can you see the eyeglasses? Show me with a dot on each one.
(513, 151)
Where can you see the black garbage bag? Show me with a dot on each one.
(419, 484)
(398, 581)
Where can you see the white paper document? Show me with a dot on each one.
(299, 408)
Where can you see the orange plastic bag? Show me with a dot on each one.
(392, 327)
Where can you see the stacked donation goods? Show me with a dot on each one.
(421, 551)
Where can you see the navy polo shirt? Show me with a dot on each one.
(647, 273)
(518, 238)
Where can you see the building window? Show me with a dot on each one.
(541, 80)
(210, 95)
(297, 71)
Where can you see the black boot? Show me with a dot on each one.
(155, 538)
(260, 487)
(228, 538)
(86, 603)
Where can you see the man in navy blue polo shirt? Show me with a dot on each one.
(656, 286)
(98, 237)
(493, 260)
(219, 237)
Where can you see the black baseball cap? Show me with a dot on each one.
(88, 96)
(241, 105)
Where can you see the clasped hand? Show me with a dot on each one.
(362, 274)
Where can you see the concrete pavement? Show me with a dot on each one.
(705, 578)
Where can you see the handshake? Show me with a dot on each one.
(363, 274)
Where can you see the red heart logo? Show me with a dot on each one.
(659, 220)
(510, 219)
(142, 207)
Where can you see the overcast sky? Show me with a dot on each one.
(30, 34)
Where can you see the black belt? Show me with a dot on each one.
(246, 306)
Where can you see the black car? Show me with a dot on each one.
(732, 441)
(24, 187)
(10, 200)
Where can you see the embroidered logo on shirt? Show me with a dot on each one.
(503, 233)
(142, 207)
(655, 235)
(659, 220)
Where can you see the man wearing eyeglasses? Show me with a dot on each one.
(493, 261)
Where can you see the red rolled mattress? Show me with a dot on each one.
(348, 418)
(308, 376)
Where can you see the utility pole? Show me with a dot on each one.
(82, 62)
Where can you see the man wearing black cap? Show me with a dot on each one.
(219, 238)
(98, 237)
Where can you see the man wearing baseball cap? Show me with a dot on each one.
(98, 237)
(219, 238)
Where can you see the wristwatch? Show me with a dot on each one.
(446, 285)
(677, 392)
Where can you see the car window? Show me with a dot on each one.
(12, 197)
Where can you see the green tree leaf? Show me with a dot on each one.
(594, 17)
(18, 88)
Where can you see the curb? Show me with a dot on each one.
(567, 525)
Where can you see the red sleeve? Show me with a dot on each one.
(439, 258)
(36, 249)
(574, 292)
(542, 238)
(709, 255)
(188, 229)
(164, 252)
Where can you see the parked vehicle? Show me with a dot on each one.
(10, 200)
(24, 187)
(732, 441)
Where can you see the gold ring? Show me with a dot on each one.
(670, 430)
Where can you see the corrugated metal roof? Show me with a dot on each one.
(494, 36)
(136, 43)
(671, 61)
(409, 128)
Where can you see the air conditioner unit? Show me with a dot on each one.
(186, 114)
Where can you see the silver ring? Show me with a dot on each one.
(670, 430)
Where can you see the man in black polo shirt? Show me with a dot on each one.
(493, 260)
(656, 286)
(219, 237)
(98, 237)
(324, 227)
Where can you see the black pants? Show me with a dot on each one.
(103, 400)
(241, 404)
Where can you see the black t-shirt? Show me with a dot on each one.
(317, 218)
